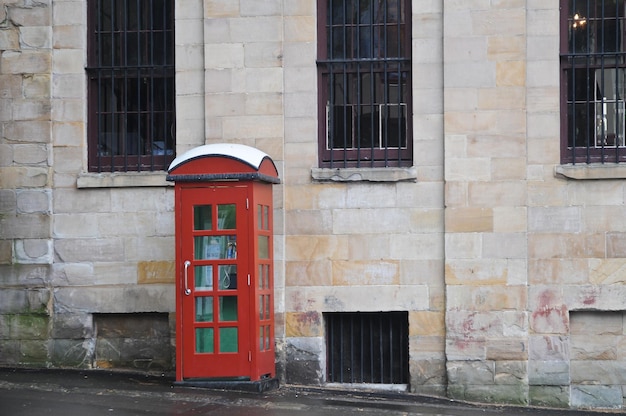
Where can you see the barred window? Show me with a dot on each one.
(131, 85)
(364, 72)
(593, 69)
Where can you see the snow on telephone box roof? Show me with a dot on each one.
(223, 161)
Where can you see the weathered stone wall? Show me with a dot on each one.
(363, 246)
(486, 196)
(26, 248)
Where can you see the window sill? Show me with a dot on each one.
(591, 171)
(122, 180)
(364, 174)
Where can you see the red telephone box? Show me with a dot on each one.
(224, 266)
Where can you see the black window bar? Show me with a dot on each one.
(593, 62)
(365, 83)
(131, 85)
(367, 347)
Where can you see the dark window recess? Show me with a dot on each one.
(131, 85)
(363, 347)
(364, 67)
(593, 75)
(133, 340)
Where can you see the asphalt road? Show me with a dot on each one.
(90, 393)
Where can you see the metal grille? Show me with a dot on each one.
(593, 81)
(365, 82)
(367, 347)
(131, 85)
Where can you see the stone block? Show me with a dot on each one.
(8, 201)
(26, 62)
(504, 245)
(71, 353)
(486, 298)
(10, 86)
(6, 252)
(607, 372)
(75, 325)
(221, 8)
(120, 299)
(24, 275)
(554, 219)
(35, 154)
(35, 37)
(590, 323)
(352, 273)
(507, 349)
(76, 226)
(302, 356)
(469, 373)
(511, 372)
(303, 324)
(607, 397)
(29, 327)
(33, 201)
(470, 219)
(308, 273)
(427, 323)
(516, 394)
(151, 272)
(316, 248)
(465, 349)
(427, 373)
(30, 16)
(549, 396)
(24, 177)
(34, 251)
(27, 226)
(548, 373)
(28, 131)
(74, 250)
(10, 355)
(309, 222)
(33, 352)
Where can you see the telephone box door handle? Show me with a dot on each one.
(187, 290)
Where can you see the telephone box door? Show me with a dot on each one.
(215, 294)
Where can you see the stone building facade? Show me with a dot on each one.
(506, 265)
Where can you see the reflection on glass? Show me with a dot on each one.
(204, 309)
(215, 247)
(228, 308)
(263, 217)
(202, 217)
(226, 217)
(203, 277)
(267, 337)
(266, 217)
(228, 340)
(261, 304)
(204, 340)
(228, 277)
(264, 247)
(267, 307)
(261, 337)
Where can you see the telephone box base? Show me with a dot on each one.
(258, 386)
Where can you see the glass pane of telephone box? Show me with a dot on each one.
(203, 277)
(229, 339)
(204, 340)
(228, 308)
(226, 217)
(204, 309)
(202, 219)
(227, 277)
(215, 247)
(264, 247)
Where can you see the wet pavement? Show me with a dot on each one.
(95, 393)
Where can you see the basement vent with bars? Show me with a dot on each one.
(367, 347)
